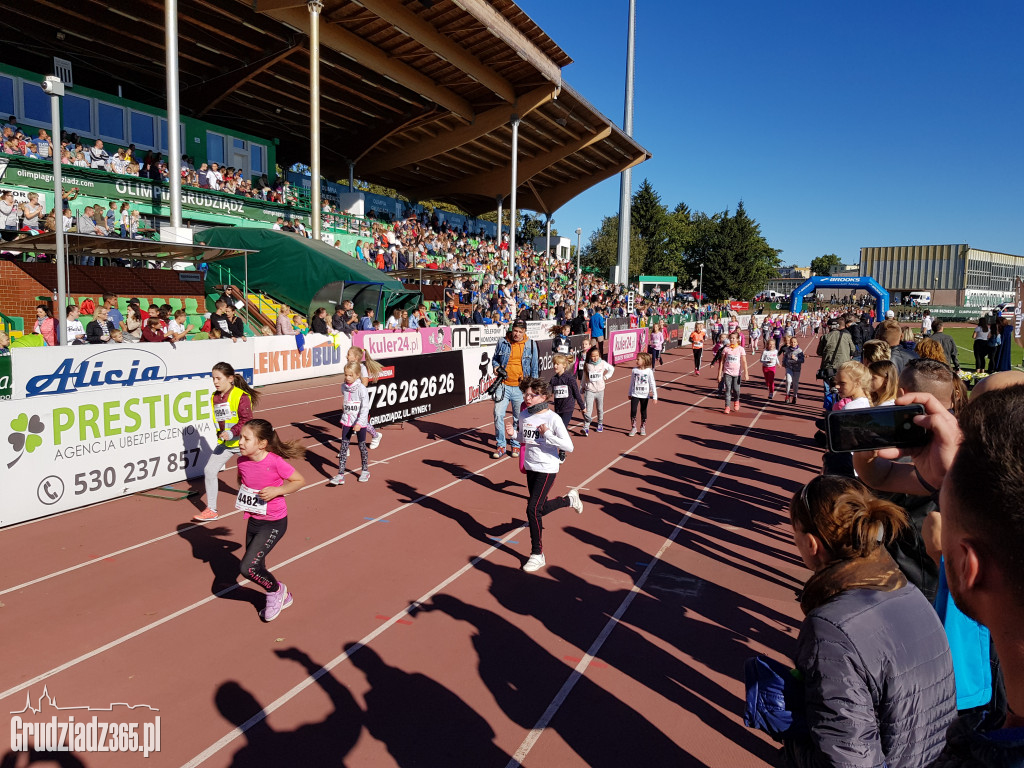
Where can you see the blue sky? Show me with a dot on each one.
(839, 125)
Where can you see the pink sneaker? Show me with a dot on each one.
(276, 602)
(736, 406)
(206, 515)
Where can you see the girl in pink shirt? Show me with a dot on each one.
(733, 356)
(264, 478)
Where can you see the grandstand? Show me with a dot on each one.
(419, 98)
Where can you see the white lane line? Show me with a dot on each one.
(545, 719)
(287, 696)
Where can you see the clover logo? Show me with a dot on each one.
(25, 436)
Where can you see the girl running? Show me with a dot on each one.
(369, 370)
(769, 361)
(792, 362)
(354, 418)
(541, 435)
(595, 373)
(729, 371)
(657, 344)
(697, 337)
(566, 391)
(232, 403)
(642, 389)
(264, 479)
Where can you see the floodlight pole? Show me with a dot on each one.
(700, 301)
(579, 275)
(173, 110)
(500, 199)
(315, 7)
(626, 178)
(53, 86)
(547, 244)
(512, 202)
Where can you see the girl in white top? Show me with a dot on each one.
(355, 416)
(542, 435)
(854, 384)
(595, 373)
(642, 389)
(769, 362)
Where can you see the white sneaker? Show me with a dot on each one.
(375, 441)
(364, 477)
(632, 432)
(574, 501)
(535, 563)
(338, 479)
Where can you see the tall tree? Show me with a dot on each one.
(822, 265)
(603, 249)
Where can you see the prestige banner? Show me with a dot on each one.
(70, 450)
(98, 367)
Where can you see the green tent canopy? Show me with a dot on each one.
(302, 273)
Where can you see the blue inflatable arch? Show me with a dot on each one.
(869, 283)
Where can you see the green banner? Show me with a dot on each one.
(5, 377)
(24, 175)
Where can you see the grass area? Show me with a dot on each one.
(966, 345)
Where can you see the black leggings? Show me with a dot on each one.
(981, 354)
(538, 505)
(260, 538)
(697, 352)
(633, 403)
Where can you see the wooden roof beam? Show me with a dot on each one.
(216, 90)
(445, 141)
(496, 181)
(367, 54)
(427, 35)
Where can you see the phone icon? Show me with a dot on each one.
(52, 495)
(51, 490)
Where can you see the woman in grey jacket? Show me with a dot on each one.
(873, 655)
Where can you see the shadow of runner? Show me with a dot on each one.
(218, 553)
(315, 744)
(48, 759)
(420, 721)
(524, 678)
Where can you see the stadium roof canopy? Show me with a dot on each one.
(419, 94)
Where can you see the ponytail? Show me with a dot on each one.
(848, 519)
(263, 430)
(237, 381)
(373, 368)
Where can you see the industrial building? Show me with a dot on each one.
(954, 274)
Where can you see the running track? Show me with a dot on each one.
(414, 639)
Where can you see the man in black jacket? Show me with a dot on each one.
(948, 344)
(579, 323)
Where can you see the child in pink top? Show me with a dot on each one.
(264, 478)
(729, 370)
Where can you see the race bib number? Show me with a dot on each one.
(222, 412)
(595, 376)
(561, 392)
(562, 349)
(352, 408)
(640, 388)
(530, 435)
(249, 501)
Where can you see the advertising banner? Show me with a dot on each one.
(278, 359)
(546, 349)
(672, 333)
(492, 334)
(688, 328)
(539, 329)
(98, 367)
(477, 373)
(74, 449)
(626, 345)
(417, 341)
(616, 324)
(739, 306)
(411, 387)
(1018, 311)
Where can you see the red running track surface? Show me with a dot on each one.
(415, 639)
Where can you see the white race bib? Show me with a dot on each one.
(249, 501)
(561, 392)
(562, 349)
(352, 408)
(222, 412)
(530, 435)
(595, 375)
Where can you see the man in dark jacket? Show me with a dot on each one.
(855, 331)
(579, 323)
(948, 344)
(835, 348)
(891, 331)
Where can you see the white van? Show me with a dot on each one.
(921, 297)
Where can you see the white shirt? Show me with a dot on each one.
(642, 385)
(174, 327)
(75, 330)
(541, 451)
(770, 358)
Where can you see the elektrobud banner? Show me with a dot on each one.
(278, 358)
(92, 368)
(70, 450)
(5, 378)
(626, 345)
(417, 386)
(386, 344)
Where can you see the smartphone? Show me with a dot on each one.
(868, 429)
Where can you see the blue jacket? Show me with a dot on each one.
(531, 357)
(878, 681)
(597, 324)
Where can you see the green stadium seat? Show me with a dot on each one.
(192, 306)
(122, 304)
(195, 320)
(175, 304)
(159, 302)
(144, 303)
